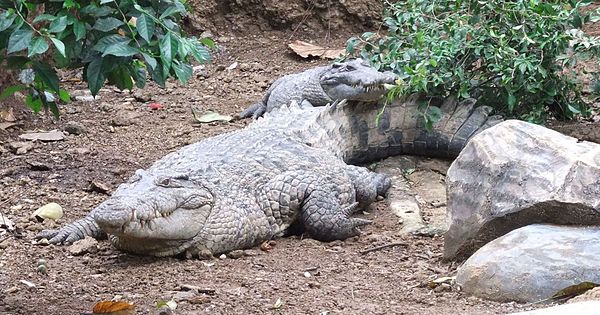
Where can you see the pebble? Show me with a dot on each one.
(81, 247)
(235, 254)
(74, 128)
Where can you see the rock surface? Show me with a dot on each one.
(532, 263)
(515, 174)
(581, 308)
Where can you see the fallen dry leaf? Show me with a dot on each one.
(6, 125)
(113, 308)
(304, 50)
(52, 211)
(574, 290)
(267, 246)
(54, 135)
(8, 115)
(208, 117)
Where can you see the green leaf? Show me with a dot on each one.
(9, 91)
(35, 103)
(44, 17)
(94, 75)
(512, 101)
(151, 61)
(201, 54)
(120, 50)
(107, 24)
(121, 78)
(106, 42)
(37, 46)
(64, 96)
(79, 30)
(208, 43)
(183, 71)
(58, 25)
(158, 76)
(47, 75)
(145, 27)
(53, 108)
(19, 40)
(167, 51)
(60, 46)
(170, 11)
(106, 1)
(7, 19)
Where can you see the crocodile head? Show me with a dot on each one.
(155, 215)
(355, 80)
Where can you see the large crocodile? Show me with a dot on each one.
(353, 80)
(287, 169)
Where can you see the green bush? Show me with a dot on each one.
(518, 56)
(118, 42)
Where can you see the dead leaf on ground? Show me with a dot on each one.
(6, 125)
(208, 117)
(54, 135)
(574, 290)
(113, 308)
(8, 115)
(439, 281)
(52, 211)
(304, 50)
(267, 245)
(6, 223)
(99, 187)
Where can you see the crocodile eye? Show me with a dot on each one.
(167, 182)
(350, 68)
(336, 65)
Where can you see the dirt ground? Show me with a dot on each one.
(121, 133)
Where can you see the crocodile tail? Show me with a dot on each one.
(361, 133)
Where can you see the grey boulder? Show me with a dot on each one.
(532, 263)
(515, 174)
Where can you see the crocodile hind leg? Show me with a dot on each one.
(321, 204)
(368, 185)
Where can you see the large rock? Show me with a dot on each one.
(532, 263)
(581, 308)
(515, 174)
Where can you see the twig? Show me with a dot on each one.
(376, 248)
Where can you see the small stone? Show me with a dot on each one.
(11, 290)
(307, 274)
(235, 254)
(38, 166)
(74, 128)
(223, 256)
(81, 247)
(86, 98)
(20, 148)
(184, 296)
(251, 252)
(444, 287)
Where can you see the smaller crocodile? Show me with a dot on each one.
(354, 80)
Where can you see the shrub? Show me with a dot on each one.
(118, 42)
(518, 56)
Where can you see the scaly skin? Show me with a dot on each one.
(238, 189)
(352, 80)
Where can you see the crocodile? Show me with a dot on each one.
(353, 80)
(293, 169)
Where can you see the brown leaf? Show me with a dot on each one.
(304, 50)
(113, 308)
(574, 290)
(267, 245)
(8, 115)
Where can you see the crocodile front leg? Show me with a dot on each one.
(73, 232)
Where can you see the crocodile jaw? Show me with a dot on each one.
(152, 232)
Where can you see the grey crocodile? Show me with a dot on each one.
(354, 80)
(287, 170)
